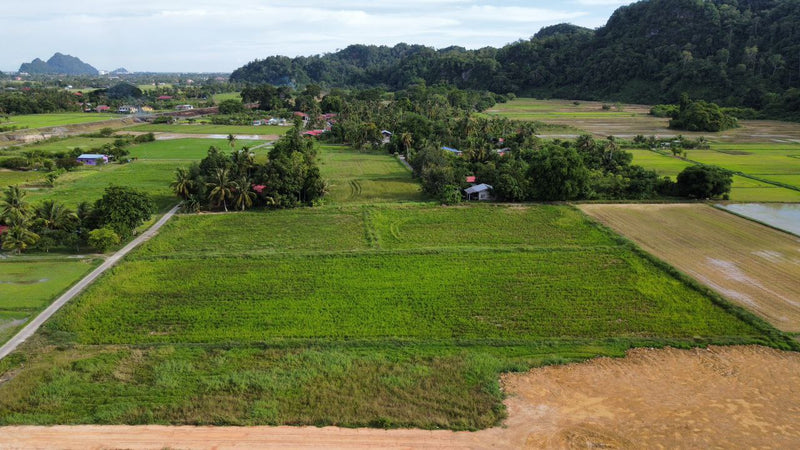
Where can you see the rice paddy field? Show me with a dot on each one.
(29, 285)
(366, 177)
(626, 121)
(58, 145)
(743, 189)
(55, 119)
(201, 128)
(752, 265)
(356, 315)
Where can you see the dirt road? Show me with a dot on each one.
(727, 397)
(34, 325)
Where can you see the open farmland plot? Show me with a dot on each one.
(27, 286)
(366, 177)
(223, 130)
(63, 145)
(635, 119)
(186, 149)
(56, 119)
(359, 326)
(752, 265)
(742, 190)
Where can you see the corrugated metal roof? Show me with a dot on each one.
(478, 188)
(91, 156)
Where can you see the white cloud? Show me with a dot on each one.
(213, 35)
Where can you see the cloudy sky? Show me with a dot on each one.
(211, 36)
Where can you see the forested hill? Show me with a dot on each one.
(744, 52)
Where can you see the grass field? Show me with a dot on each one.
(366, 177)
(351, 315)
(14, 177)
(227, 96)
(212, 129)
(61, 145)
(151, 173)
(752, 265)
(28, 286)
(56, 119)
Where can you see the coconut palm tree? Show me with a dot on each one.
(183, 184)
(221, 188)
(52, 215)
(407, 140)
(243, 194)
(14, 206)
(18, 238)
(232, 141)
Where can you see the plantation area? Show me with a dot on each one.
(352, 315)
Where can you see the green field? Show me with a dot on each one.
(187, 149)
(366, 177)
(61, 145)
(379, 316)
(28, 286)
(226, 96)
(14, 177)
(151, 173)
(223, 130)
(742, 190)
(56, 119)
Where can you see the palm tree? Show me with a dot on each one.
(18, 238)
(232, 141)
(221, 188)
(54, 216)
(407, 140)
(14, 205)
(183, 184)
(243, 195)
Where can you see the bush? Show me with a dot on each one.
(701, 116)
(103, 238)
(703, 182)
(163, 120)
(14, 163)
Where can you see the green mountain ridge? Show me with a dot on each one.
(733, 52)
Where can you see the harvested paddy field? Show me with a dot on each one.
(716, 397)
(626, 121)
(750, 264)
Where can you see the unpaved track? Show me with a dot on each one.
(726, 397)
(34, 325)
(750, 264)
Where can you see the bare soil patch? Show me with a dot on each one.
(752, 265)
(728, 397)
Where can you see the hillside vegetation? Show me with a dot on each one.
(735, 53)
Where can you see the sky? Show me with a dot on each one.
(213, 36)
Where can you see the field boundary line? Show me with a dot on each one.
(78, 287)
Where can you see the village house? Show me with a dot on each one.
(184, 107)
(127, 109)
(92, 159)
(103, 108)
(480, 192)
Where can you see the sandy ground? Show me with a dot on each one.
(750, 264)
(724, 397)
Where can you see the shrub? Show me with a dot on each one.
(103, 238)
(704, 182)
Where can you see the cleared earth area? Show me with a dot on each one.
(750, 264)
(723, 397)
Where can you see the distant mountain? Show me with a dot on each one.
(120, 71)
(59, 64)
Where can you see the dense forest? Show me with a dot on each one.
(732, 52)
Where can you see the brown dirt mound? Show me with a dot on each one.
(728, 397)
